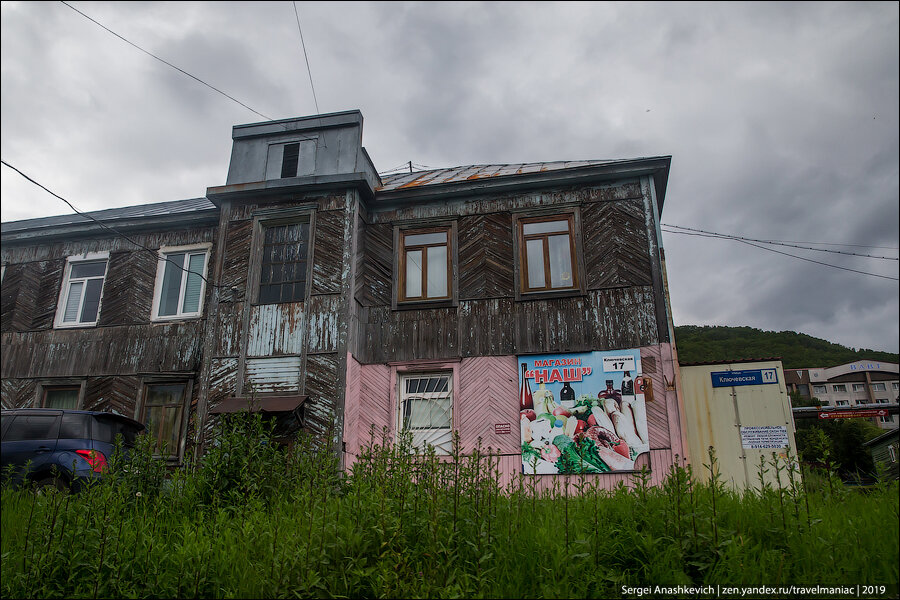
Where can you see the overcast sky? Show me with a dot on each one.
(781, 120)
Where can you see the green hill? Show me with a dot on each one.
(797, 350)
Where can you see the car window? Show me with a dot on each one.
(75, 426)
(106, 430)
(33, 427)
(5, 420)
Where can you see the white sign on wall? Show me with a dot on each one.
(764, 436)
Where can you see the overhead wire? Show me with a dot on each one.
(749, 243)
(306, 56)
(155, 253)
(785, 243)
(180, 70)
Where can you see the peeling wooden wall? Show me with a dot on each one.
(110, 357)
(294, 347)
(618, 309)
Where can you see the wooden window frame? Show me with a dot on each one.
(203, 248)
(40, 397)
(520, 264)
(140, 409)
(399, 301)
(272, 218)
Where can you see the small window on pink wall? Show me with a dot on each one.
(426, 410)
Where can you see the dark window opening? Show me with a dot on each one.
(283, 270)
(290, 159)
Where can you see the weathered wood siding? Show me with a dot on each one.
(617, 310)
(295, 347)
(124, 348)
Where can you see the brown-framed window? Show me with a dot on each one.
(285, 248)
(547, 254)
(163, 415)
(63, 396)
(425, 265)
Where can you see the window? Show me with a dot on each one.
(839, 388)
(895, 385)
(282, 277)
(426, 406)
(878, 387)
(180, 282)
(425, 268)
(843, 403)
(33, 427)
(881, 400)
(859, 387)
(79, 299)
(61, 397)
(819, 389)
(163, 415)
(547, 254)
(887, 419)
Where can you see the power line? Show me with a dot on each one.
(306, 56)
(155, 253)
(785, 253)
(180, 70)
(165, 62)
(779, 243)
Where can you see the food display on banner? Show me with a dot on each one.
(583, 413)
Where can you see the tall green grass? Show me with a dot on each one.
(251, 520)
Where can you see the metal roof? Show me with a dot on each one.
(111, 215)
(400, 181)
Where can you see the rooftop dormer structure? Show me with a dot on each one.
(317, 152)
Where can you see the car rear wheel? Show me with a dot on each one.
(47, 484)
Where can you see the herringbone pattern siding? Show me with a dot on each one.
(488, 394)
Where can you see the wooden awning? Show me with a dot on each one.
(267, 404)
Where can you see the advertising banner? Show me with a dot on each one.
(854, 414)
(583, 413)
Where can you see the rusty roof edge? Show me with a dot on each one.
(359, 180)
(569, 176)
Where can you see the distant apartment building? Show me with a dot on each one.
(860, 383)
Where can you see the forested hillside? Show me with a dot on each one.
(797, 350)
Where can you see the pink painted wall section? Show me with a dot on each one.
(486, 406)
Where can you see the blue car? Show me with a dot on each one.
(61, 448)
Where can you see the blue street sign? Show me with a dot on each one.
(749, 377)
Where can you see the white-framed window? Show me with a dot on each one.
(881, 400)
(840, 388)
(180, 281)
(82, 290)
(895, 385)
(887, 419)
(859, 387)
(426, 409)
(878, 387)
(820, 389)
(842, 403)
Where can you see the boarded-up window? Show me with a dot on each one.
(163, 416)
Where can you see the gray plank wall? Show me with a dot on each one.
(124, 346)
(616, 311)
(269, 337)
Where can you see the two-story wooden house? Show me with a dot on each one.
(524, 305)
